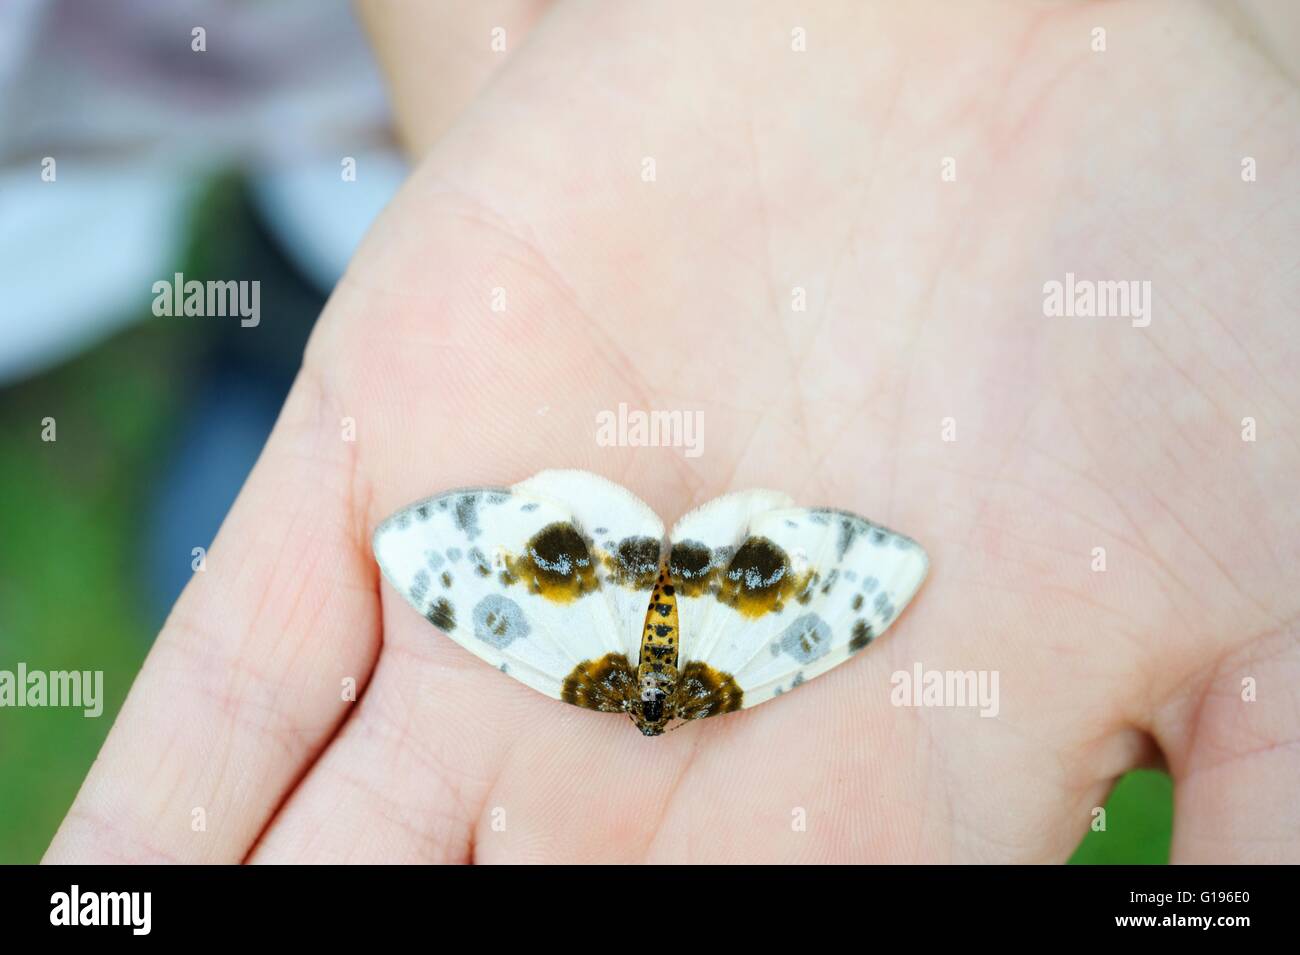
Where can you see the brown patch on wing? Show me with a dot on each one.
(703, 691)
(556, 564)
(442, 615)
(759, 580)
(862, 635)
(607, 684)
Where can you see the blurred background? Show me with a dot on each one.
(128, 154)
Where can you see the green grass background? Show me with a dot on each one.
(72, 549)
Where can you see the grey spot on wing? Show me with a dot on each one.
(433, 559)
(790, 523)
(496, 497)
(453, 554)
(850, 528)
(878, 537)
(851, 576)
(480, 562)
(467, 515)
(820, 517)
(885, 607)
(505, 668)
(600, 531)
(499, 621)
(419, 587)
(422, 512)
(806, 639)
(798, 680)
(530, 506)
(869, 584)
(403, 520)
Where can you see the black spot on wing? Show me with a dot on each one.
(556, 564)
(690, 560)
(759, 579)
(636, 562)
(695, 568)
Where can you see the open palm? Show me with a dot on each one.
(680, 212)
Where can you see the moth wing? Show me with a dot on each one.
(702, 545)
(508, 575)
(625, 536)
(804, 591)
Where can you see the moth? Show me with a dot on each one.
(567, 583)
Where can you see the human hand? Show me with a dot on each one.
(775, 170)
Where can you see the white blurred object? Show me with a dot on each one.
(135, 118)
(320, 219)
(76, 256)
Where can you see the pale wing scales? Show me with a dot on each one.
(805, 591)
(703, 543)
(497, 571)
(625, 537)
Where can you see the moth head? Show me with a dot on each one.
(650, 714)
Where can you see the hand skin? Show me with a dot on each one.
(778, 169)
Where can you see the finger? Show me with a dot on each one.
(1235, 760)
(437, 56)
(243, 685)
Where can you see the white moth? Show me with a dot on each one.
(566, 583)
